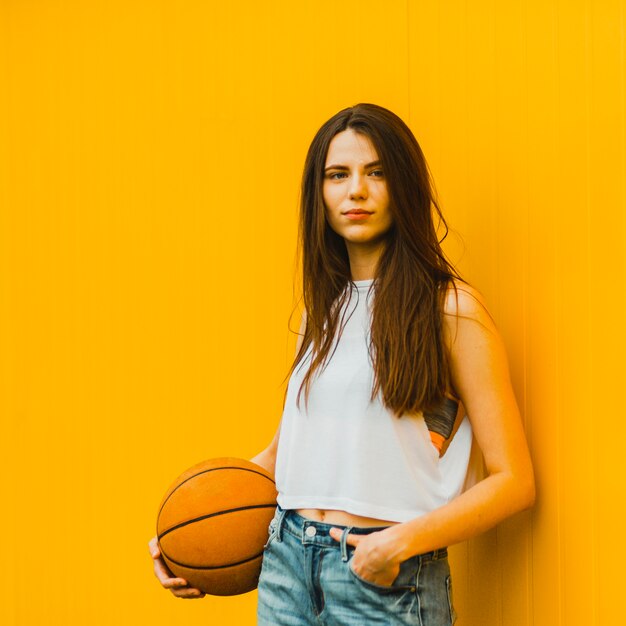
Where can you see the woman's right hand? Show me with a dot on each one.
(178, 586)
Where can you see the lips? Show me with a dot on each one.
(357, 212)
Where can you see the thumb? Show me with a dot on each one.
(154, 548)
(336, 533)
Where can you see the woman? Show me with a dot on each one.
(399, 369)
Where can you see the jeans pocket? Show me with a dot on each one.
(450, 602)
(272, 533)
(397, 586)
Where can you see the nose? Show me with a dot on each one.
(358, 187)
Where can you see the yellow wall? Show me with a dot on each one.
(150, 155)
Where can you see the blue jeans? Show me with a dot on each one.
(306, 579)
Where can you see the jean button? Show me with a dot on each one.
(310, 531)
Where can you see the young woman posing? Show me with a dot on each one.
(399, 370)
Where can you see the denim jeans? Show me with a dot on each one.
(307, 579)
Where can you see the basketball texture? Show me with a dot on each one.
(213, 523)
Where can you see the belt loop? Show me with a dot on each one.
(280, 516)
(342, 542)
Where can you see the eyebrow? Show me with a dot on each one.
(343, 167)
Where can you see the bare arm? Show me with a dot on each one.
(267, 458)
(481, 375)
(179, 586)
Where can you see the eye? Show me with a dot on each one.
(380, 173)
(333, 174)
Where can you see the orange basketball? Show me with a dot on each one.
(213, 523)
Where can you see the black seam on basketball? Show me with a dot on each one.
(252, 558)
(199, 519)
(213, 469)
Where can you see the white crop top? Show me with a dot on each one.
(347, 453)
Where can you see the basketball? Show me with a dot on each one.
(213, 523)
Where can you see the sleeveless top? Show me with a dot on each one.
(348, 453)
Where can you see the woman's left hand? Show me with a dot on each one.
(372, 558)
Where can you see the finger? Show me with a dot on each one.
(175, 584)
(153, 544)
(188, 594)
(166, 578)
(351, 539)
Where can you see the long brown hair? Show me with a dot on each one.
(412, 277)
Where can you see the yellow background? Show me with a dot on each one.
(150, 160)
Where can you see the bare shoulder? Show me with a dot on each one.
(300, 338)
(463, 305)
(464, 300)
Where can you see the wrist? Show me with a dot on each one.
(397, 543)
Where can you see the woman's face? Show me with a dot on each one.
(354, 180)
